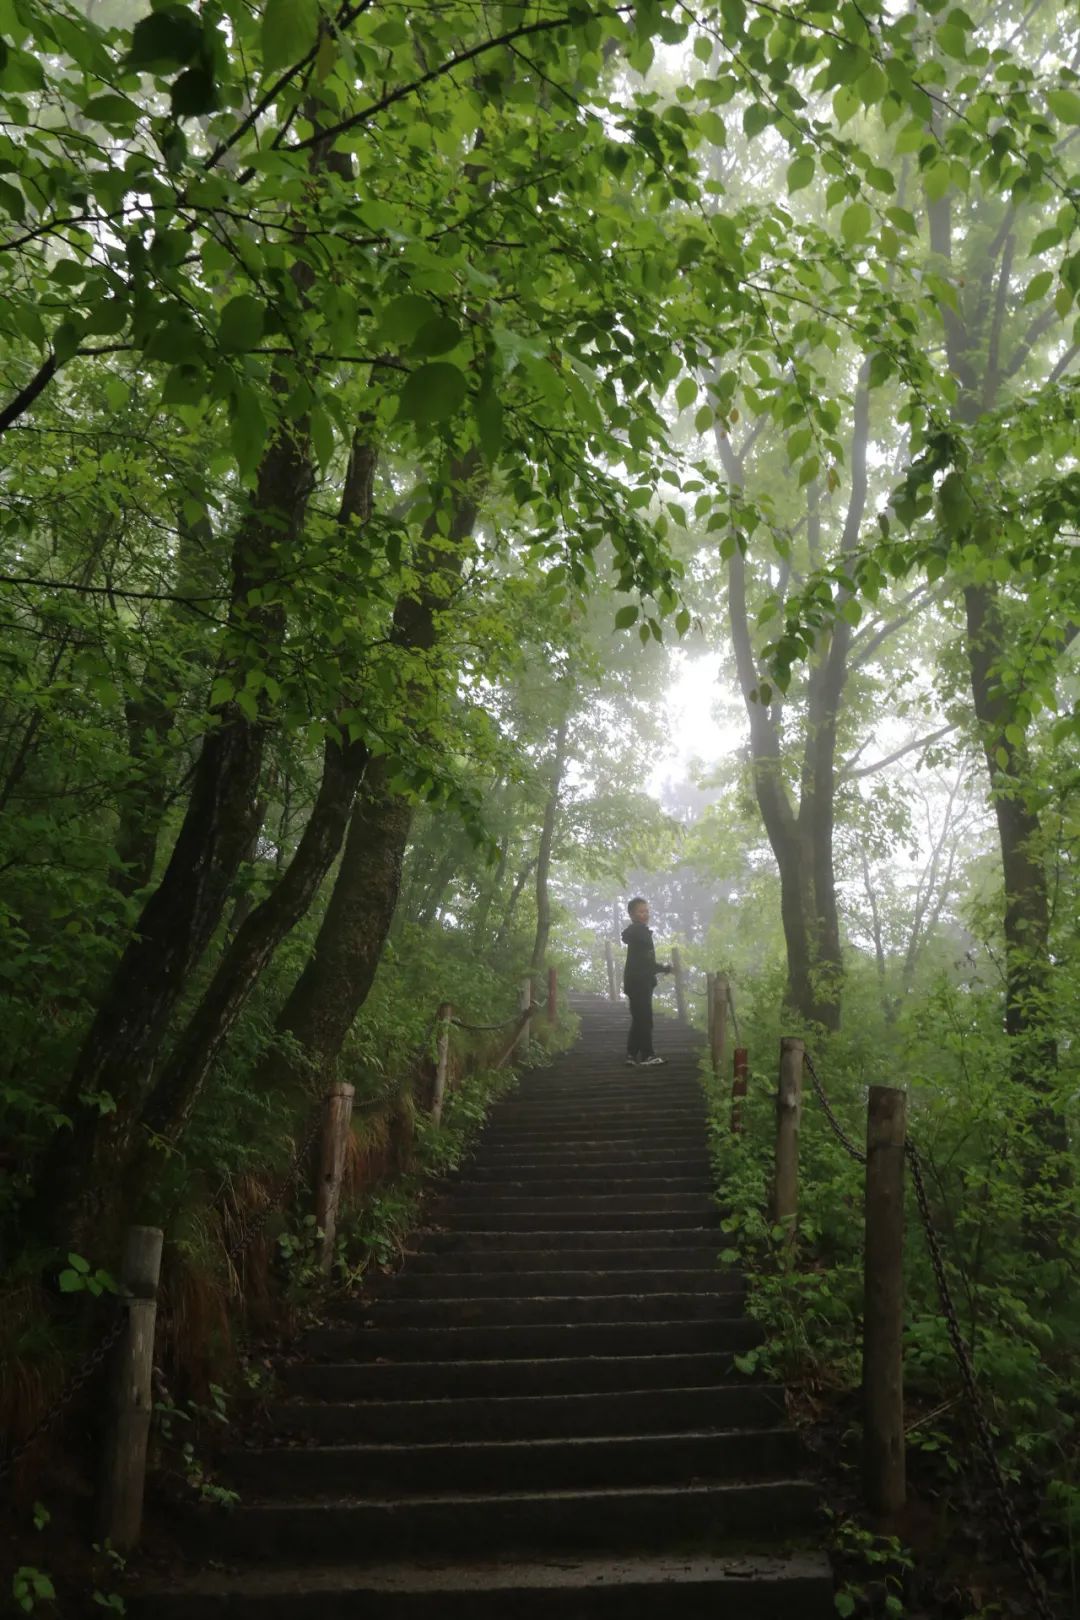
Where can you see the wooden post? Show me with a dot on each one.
(788, 1119)
(718, 1024)
(131, 1398)
(680, 983)
(524, 1003)
(884, 1476)
(709, 1008)
(442, 1059)
(553, 994)
(738, 1088)
(337, 1119)
(609, 956)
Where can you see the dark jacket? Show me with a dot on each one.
(640, 970)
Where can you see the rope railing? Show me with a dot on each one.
(128, 1338)
(1006, 1507)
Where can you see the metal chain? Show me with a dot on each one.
(851, 1148)
(1006, 1507)
(86, 1370)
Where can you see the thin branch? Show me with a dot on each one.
(848, 775)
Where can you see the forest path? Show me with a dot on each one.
(539, 1415)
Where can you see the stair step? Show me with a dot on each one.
(499, 1251)
(591, 1137)
(567, 1375)
(521, 1308)
(533, 1417)
(570, 1201)
(529, 1341)
(574, 1187)
(462, 1526)
(580, 1463)
(562, 1219)
(449, 1285)
(738, 1586)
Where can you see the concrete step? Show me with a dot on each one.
(573, 1201)
(636, 1246)
(592, 1137)
(303, 1473)
(561, 1218)
(503, 1310)
(447, 1285)
(532, 1417)
(578, 1185)
(529, 1341)
(735, 1586)
(582, 1374)
(464, 1526)
(598, 1162)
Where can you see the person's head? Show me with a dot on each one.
(638, 909)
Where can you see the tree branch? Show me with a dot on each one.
(849, 775)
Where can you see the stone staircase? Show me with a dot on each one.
(540, 1415)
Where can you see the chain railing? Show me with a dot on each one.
(87, 1368)
(1006, 1507)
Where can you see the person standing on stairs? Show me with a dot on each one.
(639, 982)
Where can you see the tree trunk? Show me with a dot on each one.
(336, 980)
(120, 1048)
(511, 906)
(150, 716)
(547, 839)
(260, 932)
(1028, 990)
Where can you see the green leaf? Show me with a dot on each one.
(433, 393)
(116, 111)
(1038, 286)
(703, 48)
(248, 430)
(437, 336)
(489, 425)
(186, 384)
(682, 621)
(194, 93)
(801, 172)
(78, 1263)
(626, 616)
(288, 31)
(169, 38)
(70, 1282)
(937, 179)
(686, 393)
(845, 1604)
(241, 324)
(1065, 105)
(855, 223)
(403, 317)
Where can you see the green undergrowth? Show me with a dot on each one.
(1011, 1253)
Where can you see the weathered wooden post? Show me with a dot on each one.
(680, 983)
(718, 1024)
(884, 1466)
(524, 1003)
(337, 1120)
(553, 995)
(788, 1119)
(131, 1398)
(738, 1088)
(442, 1059)
(609, 956)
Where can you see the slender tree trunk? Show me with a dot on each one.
(79, 1173)
(150, 717)
(261, 931)
(336, 980)
(484, 904)
(547, 839)
(1028, 991)
(511, 906)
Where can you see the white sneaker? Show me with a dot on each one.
(650, 1063)
(633, 1063)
